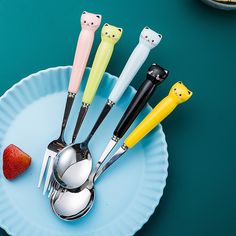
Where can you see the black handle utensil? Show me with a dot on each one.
(155, 76)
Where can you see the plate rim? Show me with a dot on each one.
(133, 230)
(220, 5)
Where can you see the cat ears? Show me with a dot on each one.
(157, 72)
(155, 64)
(148, 28)
(189, 92)
(120, 29)
(98, 16)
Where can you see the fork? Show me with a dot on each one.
(83, 49)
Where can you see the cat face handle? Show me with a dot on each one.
(149, 38)
(159, 113)
(90, 21)
(179, 93)
(132, 66)
(111, 34)
(157, 74)
(89, 24)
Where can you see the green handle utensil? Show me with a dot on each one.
(110, 35)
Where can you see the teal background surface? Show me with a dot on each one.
(198, 47)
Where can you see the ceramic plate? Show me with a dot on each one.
(221, 5)
(126, 195)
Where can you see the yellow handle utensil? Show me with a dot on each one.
(178, 94)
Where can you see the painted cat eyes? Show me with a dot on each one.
(146, 36)
(153, 41)
(113, 36)
(85, 22)
(92, 23)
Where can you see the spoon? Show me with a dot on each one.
(71, 168)
(110, 35)
(71, 205)
(89, 25)
(69, 163)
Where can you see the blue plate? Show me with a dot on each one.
(126, 195)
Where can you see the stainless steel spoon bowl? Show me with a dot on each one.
(73, 165)
(77, 157)
(69, 205)
(73, 204)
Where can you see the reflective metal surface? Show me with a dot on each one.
(73, 204)
(55, 146)
(72, 166)
(113, 159)
(112, 143)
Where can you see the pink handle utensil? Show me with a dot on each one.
(89, 23)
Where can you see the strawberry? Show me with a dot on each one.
(15, 162)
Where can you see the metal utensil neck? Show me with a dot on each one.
(103, 157)
(123, 149)
(109, 104)
(115, 138)
(82, 114)
(69, 103)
